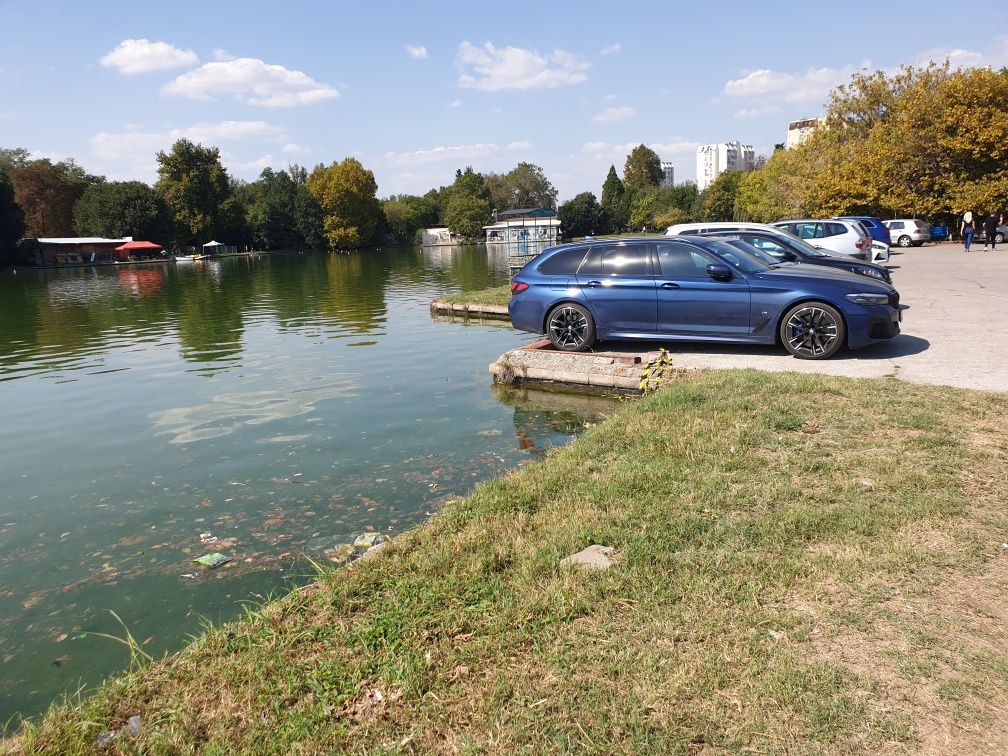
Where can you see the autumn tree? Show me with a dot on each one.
(719, 197)
(11, 221)
(346, 193)
(46, 193)
(116, 209)
(406, 214)
(579, 216)
(195, 186)
(642, 169)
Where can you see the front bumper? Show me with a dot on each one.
(874, 324)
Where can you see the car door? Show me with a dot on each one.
(618, 284)
(690, 302)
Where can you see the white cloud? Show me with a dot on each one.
(610, 49)
(134, 56)
(491, 69)
(416, 51)
(610, 97)
(295, 149)
(449, 154)
(139, 144)
(519, 145)
(455, 104)
(252, 81)
(958, 57)
(810, 87)
(251, 166)
(220, 54)
(756, 112)
(664, 149)
(614, 115)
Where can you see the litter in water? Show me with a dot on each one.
(213, 560)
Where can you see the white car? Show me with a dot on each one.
(717, 226)
(908, 231)
(844, 236)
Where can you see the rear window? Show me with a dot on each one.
(623, 260)
(835, 229)
(563, 263)
(920, 224)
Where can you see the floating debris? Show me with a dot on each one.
(213, 560)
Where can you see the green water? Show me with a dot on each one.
(264, 408)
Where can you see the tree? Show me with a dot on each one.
(614, 209)
(406, 214)
(719, 197)
(346, 193)
(468, 208)
(11, 221)
(195, 186)
(642, 169)
(11, 159)
(123, 208)
(579, 216)
(272, 209)
(46, 193)
(524, 186)
(643, 208)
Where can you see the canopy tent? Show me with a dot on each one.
(136, 246)
(214, 244)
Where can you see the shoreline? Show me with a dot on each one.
(757, 546)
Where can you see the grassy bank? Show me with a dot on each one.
(808, 564)
(497, 295)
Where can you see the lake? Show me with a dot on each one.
(266, 408)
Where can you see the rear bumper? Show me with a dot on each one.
(527, 313)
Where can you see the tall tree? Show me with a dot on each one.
(643, 169)
(406, 214)
(195, 185)
(47, 192)
(468, 208)
(123, 208)
(719, 197)
(346, 193)
(614, 206)
(11, 221)
(524, 186)
(579, 216)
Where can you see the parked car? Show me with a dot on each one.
(873, 226)
(848, 237)
(999, 236)
(939, 233)
(696, 288)
(713, 227)
(909, 231)
(787, 248)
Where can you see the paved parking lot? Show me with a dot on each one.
(955, 332)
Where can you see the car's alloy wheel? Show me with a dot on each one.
(570, 328)
(998, 238)
(812, 331)
(905, 241)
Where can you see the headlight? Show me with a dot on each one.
(864, 298)
(872, 272)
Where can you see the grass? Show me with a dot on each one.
(808, 564)
(496, 295)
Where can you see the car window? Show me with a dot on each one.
(835, 229)
(617, 260)
(737, 258)
(678, 260)
(754, 251)
(765, 245)
(896, 225)
(808, 230)
(563, 263)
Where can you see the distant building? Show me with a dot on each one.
(81, 249)
(714, 159)
(439, 236)
(668, 175)
(522, 228)
(799, 131)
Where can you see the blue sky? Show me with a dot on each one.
(416, 90)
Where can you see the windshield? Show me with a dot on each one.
(802, 246)
(736, 257)
(756, 252)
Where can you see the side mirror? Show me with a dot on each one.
(719, 272)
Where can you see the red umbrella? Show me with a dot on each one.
(135, 245)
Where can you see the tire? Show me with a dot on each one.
(904, 241)
(570, 327)
(812, 331)
(999, 238)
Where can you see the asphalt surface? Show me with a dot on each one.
(954, 334)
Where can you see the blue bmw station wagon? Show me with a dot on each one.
(692, 288)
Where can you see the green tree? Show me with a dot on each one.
(468, 208)
(195, 186)
(46, 193)
(406, 214)
(11, 222)
(10, 159)
(719, 197)
(346, 193)
(613, 205)
(643, 207)
(123, 208)
(642, 169)
(579, 216)
(524, 186)
(272, 209)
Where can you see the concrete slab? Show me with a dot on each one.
(539, 362)
(497, 312)
(594, 557)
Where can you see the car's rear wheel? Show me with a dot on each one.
(904, 241)
(570, 327)
(999, 238)
(812, 331)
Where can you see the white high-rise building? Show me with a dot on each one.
(714, 159)
(668, 175)
(799, 131)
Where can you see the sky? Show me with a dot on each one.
(416, 90)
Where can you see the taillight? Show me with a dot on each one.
(863, 244)
(517, 287)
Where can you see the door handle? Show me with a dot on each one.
(593, 284)
(669, 285)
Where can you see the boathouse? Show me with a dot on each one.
(82, 249)
(537, 226)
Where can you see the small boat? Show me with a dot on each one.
(185, 258)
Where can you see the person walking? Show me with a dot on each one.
(966, 229)
(990, 232)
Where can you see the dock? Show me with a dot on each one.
(539, 362)
(485, 311)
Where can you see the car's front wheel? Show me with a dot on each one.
(570, 327)
(904, 241)
(998, 238)
(812, 331)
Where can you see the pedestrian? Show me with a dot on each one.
(990, 232)
(966, 229)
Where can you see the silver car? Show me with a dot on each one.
(906, 232)
(844, 236)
